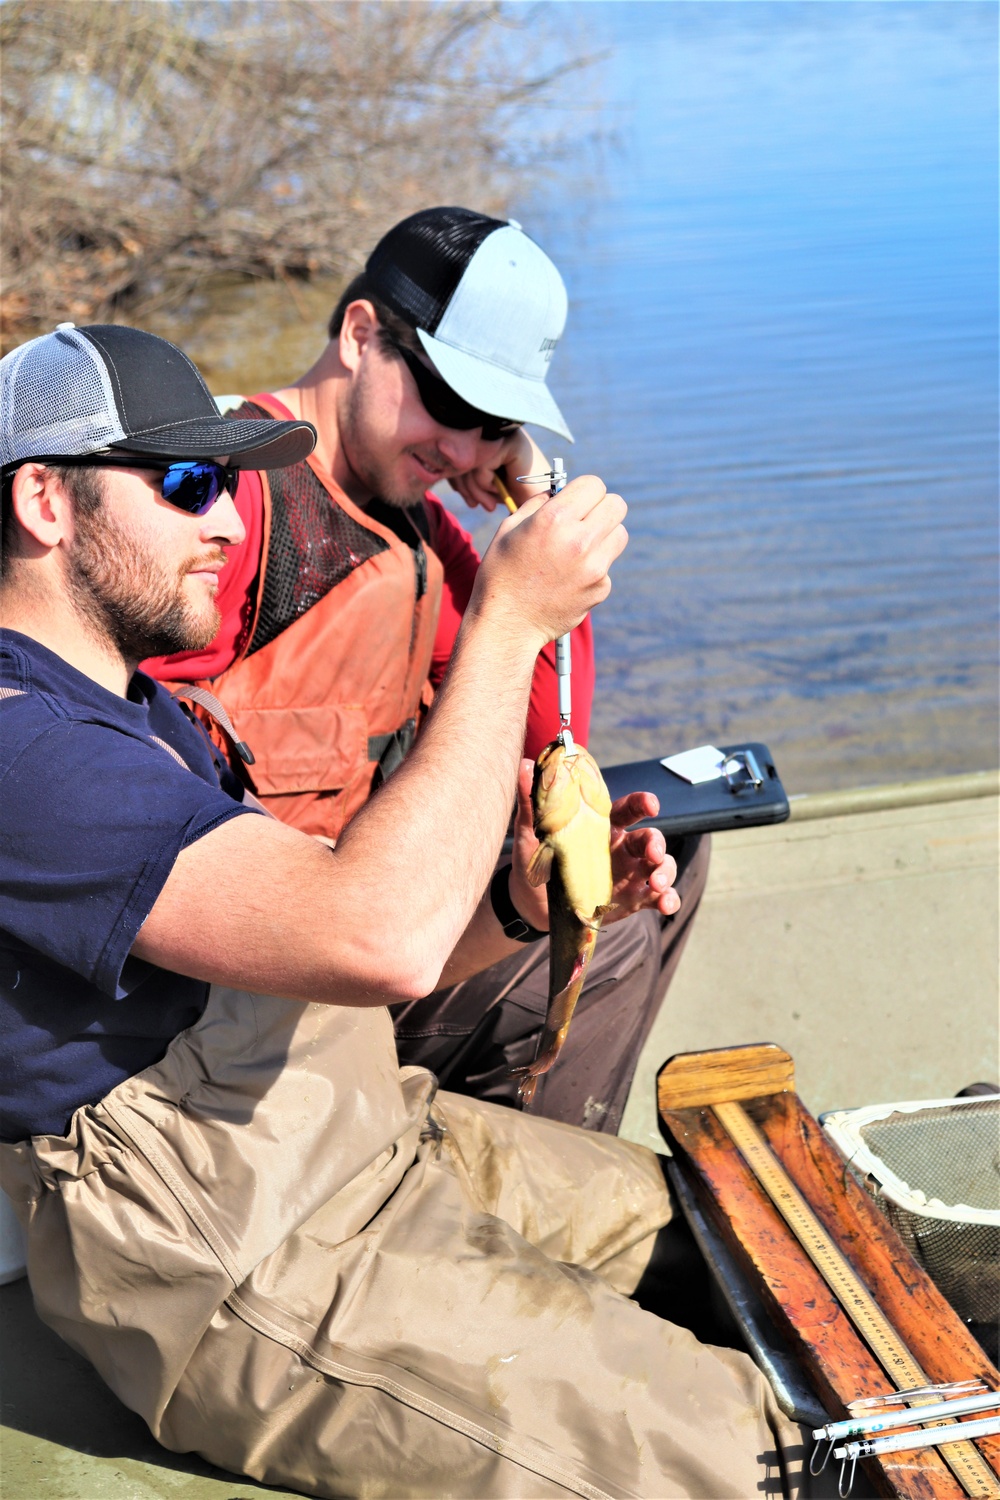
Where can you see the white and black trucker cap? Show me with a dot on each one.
(488, 306)
(80, 390)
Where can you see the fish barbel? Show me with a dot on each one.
(572, 812)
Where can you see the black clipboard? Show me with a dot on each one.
(749, 795)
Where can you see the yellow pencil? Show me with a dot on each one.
(504, 494)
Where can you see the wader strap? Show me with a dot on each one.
(211, 705)
(390, 749)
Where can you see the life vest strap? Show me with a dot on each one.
(389, 750)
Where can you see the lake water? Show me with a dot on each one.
(782, 349)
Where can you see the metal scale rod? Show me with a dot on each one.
(564, 647)
(556, 477)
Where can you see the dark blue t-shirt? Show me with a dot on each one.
(98, 795)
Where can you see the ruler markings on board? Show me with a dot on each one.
(966, 1462)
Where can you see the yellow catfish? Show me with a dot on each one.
(572, 811)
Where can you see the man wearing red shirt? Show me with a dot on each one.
(340, 611)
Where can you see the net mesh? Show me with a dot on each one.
(951, 1153)
(314, 545)
(946, 1155)
(61, 372)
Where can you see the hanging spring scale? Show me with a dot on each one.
(556, 479)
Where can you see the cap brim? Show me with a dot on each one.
(494, 389)
(250, 444)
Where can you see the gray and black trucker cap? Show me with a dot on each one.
(488, 306)
(79, 390)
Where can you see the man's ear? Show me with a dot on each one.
(359, 328)
(42, 508)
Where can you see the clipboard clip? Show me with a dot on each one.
(742, 771)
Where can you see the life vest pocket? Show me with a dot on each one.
(304, 749)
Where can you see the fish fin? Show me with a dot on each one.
(540, 865)
(593, 921)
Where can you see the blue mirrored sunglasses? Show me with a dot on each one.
(192, 484)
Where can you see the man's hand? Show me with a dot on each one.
(515, 455)
(642, 871)
(548, 564)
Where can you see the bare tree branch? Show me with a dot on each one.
(150, 144)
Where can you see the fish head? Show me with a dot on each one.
(564, 779)
(555, 795)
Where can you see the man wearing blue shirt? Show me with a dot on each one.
(281, 1249)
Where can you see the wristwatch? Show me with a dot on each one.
(506, 912)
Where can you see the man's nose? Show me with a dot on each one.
(223, 522)
(460, 448)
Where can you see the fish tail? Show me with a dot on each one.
(551, 1040)
(526, 1088)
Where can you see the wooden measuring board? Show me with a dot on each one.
(842, 1287)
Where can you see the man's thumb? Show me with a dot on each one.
(525, 777)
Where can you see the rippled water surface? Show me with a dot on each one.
(782, 349)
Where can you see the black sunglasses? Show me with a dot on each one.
(447, 406)
(191, 484)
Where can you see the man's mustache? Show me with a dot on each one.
(218, 558)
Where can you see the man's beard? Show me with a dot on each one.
(358, 450)
(130, 598)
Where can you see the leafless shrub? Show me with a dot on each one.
(148, 144)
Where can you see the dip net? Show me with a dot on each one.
(933, 1167)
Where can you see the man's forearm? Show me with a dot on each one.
(445, 811)
(482, 944)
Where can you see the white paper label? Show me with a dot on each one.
(696, 766)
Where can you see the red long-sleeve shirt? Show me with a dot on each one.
(460, 561)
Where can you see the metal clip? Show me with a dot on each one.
(742, 763)
(826, 1457)
(547, 477)
(841, 1491)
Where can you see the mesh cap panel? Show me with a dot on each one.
(488, 305)
(62, 372)
(416, 267)
(79, 390)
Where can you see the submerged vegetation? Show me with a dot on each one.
(151, 144)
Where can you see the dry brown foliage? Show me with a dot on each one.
(148, 144)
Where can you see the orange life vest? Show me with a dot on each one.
(331, 703)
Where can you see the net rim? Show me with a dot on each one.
(844, 1126)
